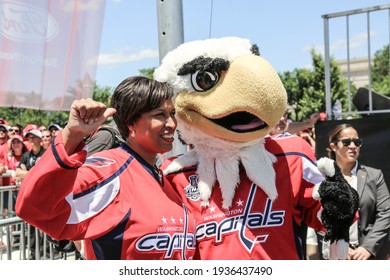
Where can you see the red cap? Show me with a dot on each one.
(29, 127)
(16, 136)
(322, 116)
(3, 121)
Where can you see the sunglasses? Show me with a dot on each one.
(346, 142)
(16, 130)
(46, 136)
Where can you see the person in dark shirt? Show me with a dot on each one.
(29, 158)
(27, 162)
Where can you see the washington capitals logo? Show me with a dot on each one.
(98, 161)
(242, 222)
(192, 191)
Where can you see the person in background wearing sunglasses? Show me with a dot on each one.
(14, 130)
(369, 234)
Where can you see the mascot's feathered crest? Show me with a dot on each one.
(227, 100)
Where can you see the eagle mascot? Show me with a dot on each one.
(250, 193)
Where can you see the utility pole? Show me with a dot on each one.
(170, 25)
(170, 35)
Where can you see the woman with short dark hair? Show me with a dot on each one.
(117, 201)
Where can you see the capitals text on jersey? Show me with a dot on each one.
(241, 222)
(166, 242)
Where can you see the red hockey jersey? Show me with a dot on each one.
(256, 227)
(114, 201)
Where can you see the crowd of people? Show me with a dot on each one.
(21, 147)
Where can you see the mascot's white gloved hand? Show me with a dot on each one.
(339, 205)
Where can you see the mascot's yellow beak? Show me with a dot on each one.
(244, 105)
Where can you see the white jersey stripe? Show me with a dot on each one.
(91, 204)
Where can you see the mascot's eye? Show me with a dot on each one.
(203, 80)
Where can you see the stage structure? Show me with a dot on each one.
(372, 108)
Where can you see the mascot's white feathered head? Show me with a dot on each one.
(227, 99)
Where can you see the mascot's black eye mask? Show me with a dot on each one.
(206, 71)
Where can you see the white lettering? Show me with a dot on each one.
(26, 23)
(18, 57)
(166, 242)
(239, 223)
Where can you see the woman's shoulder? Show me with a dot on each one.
(369, 168)
(116, 155)
(102, 164)
(371, 171)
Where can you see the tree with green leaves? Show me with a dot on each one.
(381, 71)
(147, 72)
(25, 116)
(306, 88)
(102, 94)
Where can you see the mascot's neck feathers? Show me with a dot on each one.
(219, 160)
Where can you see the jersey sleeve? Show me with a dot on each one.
(307, 206)
(46, 194)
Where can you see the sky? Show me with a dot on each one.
(285, 31)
